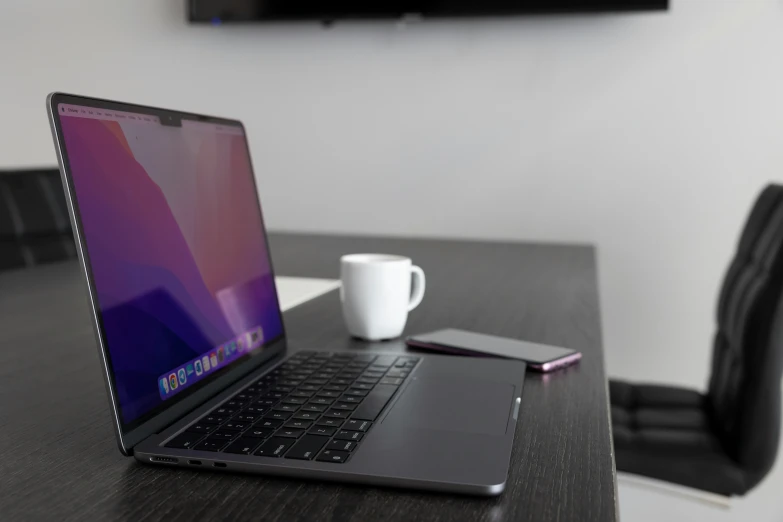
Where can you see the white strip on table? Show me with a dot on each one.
(293, 291)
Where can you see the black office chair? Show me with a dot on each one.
(34, 224)
(725, 441)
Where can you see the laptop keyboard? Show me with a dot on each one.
(316, 405)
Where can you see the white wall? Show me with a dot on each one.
(647, 134)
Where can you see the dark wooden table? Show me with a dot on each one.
(59, 460)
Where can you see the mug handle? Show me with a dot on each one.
(417, 287)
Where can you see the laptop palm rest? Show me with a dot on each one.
(457, 404)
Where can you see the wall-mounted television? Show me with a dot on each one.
(220, 11)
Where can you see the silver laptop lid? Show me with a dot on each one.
(170, 233)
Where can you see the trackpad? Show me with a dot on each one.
(454, 404)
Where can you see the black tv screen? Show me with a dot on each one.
(219, 11)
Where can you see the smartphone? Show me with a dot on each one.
(539, 357)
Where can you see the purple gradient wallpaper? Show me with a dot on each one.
(175, 242)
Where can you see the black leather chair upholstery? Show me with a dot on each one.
(34, 224)
(724, 441)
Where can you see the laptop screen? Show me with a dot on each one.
(176, 246)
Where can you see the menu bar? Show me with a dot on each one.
(96, 113)
(223, 129)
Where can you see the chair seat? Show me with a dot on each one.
(664, 433)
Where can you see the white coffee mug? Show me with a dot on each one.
(378, 291)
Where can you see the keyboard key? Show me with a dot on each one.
(266, 403)
(330, 423)
(321, 400)
(333, 387)
(373, 375)
(274, 395)
(362, 386)
(210, 444)
(333, 456)
(289, 382)
(282, 390)
(243, 397)
(294, 400)
(355, 436)
(348, 375)
(243, 446)
(224, 435)
(397, 373)
(202, 428)
(297, 423)
(268, 424)
(337, 414)
(328, 394)
(357, 393)
(306, 448)
(255, 410)
(367, 380)
(301, 393)
(289, 433)
(286, 407)
(246, 417)
(236, 405)
(274, 447)
(384, 360)
(313, 407)
(224, 411)
(310, 387)
(235, 426)
(350, 399)
(278, 415)
(373, 404)
(344, 406)
(185, 440)
(346, 382)
(258, 433)
(213, 419)
(307, 415)
(323, 431)
(374, 368)
(357, 425)
(391, 380)
(341, 445)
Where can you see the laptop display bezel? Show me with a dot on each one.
(131, 433)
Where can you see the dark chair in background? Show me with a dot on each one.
(34, 224)
(725, 441)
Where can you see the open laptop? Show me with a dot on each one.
(170, 235)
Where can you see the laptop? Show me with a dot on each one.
(171, 239)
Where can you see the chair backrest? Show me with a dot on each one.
(34, 224)
(745, 385)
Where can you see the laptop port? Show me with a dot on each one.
(219, 464)
(194, 462)
(164, 460)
